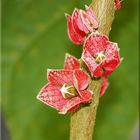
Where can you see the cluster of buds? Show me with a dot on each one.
(69, 87)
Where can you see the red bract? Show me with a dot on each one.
(66, 88)
(81, 23)
(104, 85)
(118, 4)
(100, 55)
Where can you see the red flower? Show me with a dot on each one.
(81, 23)
(100, 55)
(72, 63)
(118, 4)
(66, 88)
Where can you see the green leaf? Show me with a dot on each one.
(34, 38)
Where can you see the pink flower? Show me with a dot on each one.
(81, 23)
(67, 88)
(100, 55)
(118, 4)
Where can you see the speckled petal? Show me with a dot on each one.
(81, 79)
(113, 58)
(71, 62)
(73, 35)
(96, 43)
(71, 104)
(86, 95)
(81, 24)
(89, 19)
(50, 94)
(60, 77)
(75, 16)
(74, 102)
(95, 68)
(90, 12)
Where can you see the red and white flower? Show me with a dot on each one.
(67, 88)
(100, 55)
(80, 24)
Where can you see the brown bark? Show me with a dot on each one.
(83, 120)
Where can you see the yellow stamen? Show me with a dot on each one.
(100, 57)
(68, 91)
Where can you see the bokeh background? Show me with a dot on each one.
(34, 38)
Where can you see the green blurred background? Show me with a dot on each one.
(34, 38)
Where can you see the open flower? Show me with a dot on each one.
(81, 23)
(72, 63)
(66, 88)
(100, 55)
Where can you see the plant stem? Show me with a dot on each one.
(104, 10)
(83, 119)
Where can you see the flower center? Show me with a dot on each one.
(100, 57)
(68, 91)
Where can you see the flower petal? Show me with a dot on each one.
(71, 62)
(73, 103)
(75, 21)
(81, 79)
(86, 21)
(60, 77)
(94, 68)
(89, 19)
(73, 35)
(118, 4)
(96, 43)
(91, 13)
(104, 85)
(93, 22)
(81, 24)
(71, 109)
(50, 94)
(113, 58)
(86, 95)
